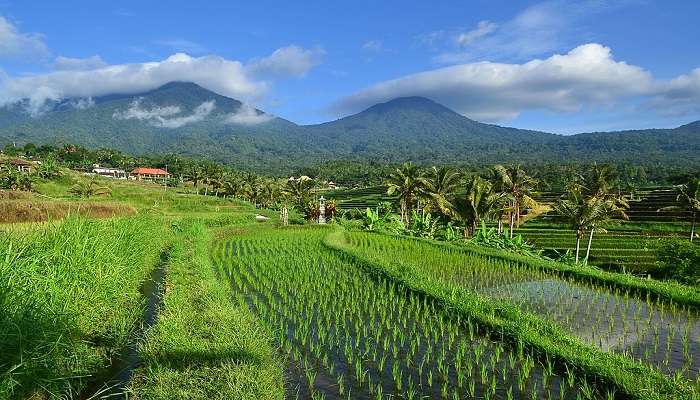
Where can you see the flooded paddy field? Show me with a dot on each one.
(345, 334)
(660, 333)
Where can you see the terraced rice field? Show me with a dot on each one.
(662, 334)
(346, 334)
(360, 198)
(625, 247)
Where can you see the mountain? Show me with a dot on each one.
(185, 118)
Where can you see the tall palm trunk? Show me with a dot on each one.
(500, 225)
(512, 220)
(590, 240)
(579, 234)
(692, 229)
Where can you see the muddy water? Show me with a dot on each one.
(112, 383)
(665, 336)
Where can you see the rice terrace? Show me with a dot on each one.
(369, 200)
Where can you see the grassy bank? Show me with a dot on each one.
(509, 322)
(204, 346)
(69, 297)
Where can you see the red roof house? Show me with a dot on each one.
(149, 173)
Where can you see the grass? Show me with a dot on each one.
(69, 297)
(204, 346)
(632, 378)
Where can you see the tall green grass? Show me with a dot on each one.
(69, 297)
(204, 346)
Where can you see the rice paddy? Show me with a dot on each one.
(661, 333)
(348, 335)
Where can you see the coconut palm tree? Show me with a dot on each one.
(689, 199)
(583, 213)
(477, 203)
(519, 186)
(408, 182)
(440, 185)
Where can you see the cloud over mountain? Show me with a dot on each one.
(91, 77)
(585, 76)
(165, 117)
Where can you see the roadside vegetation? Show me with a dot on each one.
(69, 298)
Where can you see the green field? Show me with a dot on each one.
(187, 296)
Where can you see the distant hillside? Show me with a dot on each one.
(185, 118)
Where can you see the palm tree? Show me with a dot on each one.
(408, 182)
(583, 213)
(689, 199)
(519, 186)
(440, 185)
(298, 191)
(477, 204)
(90, 188)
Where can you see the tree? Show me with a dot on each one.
(440, 185)
(514, 182)
(408, 182)
(49, 168)
(90, 188)
(583, 213)
(477, 204)
(689, 199)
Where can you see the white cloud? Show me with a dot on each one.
(165, 117)
(18, 45)
(286, 62)
(482, 29)
(586, 76)
(373, 46)
(90, 77)
(226, 77)
(539, 29)
(62, 63)
(83, 104)
(680, 96)
(248, 115)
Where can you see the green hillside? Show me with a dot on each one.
(174, 119)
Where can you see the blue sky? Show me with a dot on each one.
(560, 66)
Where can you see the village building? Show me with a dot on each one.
(22, 165)
(114, 173)
(149, 174)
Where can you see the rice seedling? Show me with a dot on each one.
(329, 306)
(661, 333)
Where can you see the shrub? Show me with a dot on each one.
(679, 260)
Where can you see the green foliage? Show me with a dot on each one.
(489, 237)
(423, 225)
(12, 179)
(382, 219)
(679, 261)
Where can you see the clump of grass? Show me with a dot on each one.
(69, 297)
